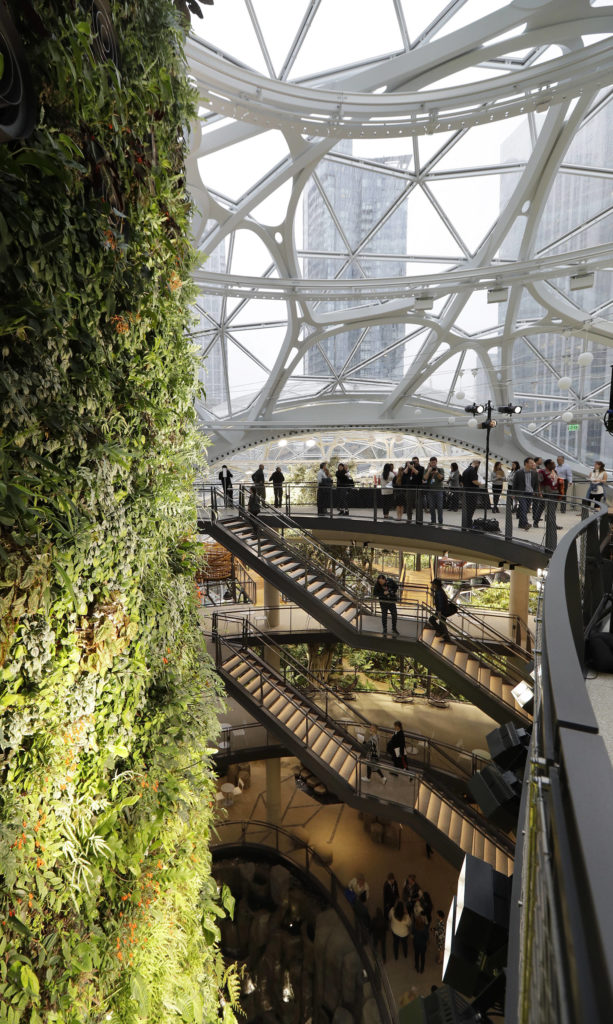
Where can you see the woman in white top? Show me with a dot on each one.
(400, 924)
(598, 479)
(387, 488)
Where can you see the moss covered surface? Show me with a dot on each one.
(108, 702)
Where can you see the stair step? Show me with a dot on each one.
(259, 692)
(455, 827)
(449, 651)
(503, 863)
(428, 636)
(350, 613)
(444, 818)
(484, 676)
(495, 685)
(472, 669)
(466, 837)
(434, 808)
(329, 752)
(489, 852)
(478, 843)
(290, 715)
(231, 663)
(423, 799)
(339, 758)
(438, 644)
(347, 769)
(460, 660)
(321, 740)
(274, 702)
(247, 675)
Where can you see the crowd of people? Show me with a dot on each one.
(529, 486)
(406, 913)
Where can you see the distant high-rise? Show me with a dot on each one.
(211, 372)
(576, 198)
(359, 198)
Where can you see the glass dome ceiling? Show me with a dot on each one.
(401, 207)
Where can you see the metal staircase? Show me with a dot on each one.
(339, 597)
(334, 753)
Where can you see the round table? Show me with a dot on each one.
(227, 788)
(478, 752)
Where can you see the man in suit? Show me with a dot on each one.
(526, 486)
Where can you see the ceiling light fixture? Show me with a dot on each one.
(583, 280)
(497, 294)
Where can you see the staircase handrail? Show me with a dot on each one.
(272, 535)
(290, 524)
(295, 692)
(469, 645)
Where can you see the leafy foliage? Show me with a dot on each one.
(108, 702)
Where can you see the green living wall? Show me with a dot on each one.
(107, 699)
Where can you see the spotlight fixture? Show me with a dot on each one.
(524, 696)
(497, 294)
(510, 410)
(423, 301)
(583, 280)
(474, 409)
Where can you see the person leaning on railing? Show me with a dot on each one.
(324, 489)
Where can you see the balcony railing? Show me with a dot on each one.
(560, 968)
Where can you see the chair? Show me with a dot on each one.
(239, 787)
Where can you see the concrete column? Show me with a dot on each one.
(273, 790)
(519, 594)
(272, 598)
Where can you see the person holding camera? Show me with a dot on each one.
(385, 590)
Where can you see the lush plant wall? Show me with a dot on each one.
(107, 699)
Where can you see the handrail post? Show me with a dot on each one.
(551, 533)
(419, 507)
(374, 503)
(508, 517)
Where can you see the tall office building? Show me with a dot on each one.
(211, 373)
(359, 198)
(574, 217)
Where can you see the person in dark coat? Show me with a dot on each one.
(253, 505)
(420, 941)
(225, 478)
(470, 483)
(343, 483)
(391, 894)
(385, 590)
(526, 488)
(277, 479)
(396, 746)
(378, 932)
(260, 482)
(442, 604)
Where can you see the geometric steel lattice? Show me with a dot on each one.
(366, 178)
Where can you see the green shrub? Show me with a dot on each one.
(108, 701)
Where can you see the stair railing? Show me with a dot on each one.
(500, 665)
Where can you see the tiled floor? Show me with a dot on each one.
(337, 828)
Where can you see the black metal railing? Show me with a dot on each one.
(231, 835)
(560, 965)
(319, 703)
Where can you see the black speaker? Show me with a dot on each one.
(498, 795)
(508, 746)
(445, 1006)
